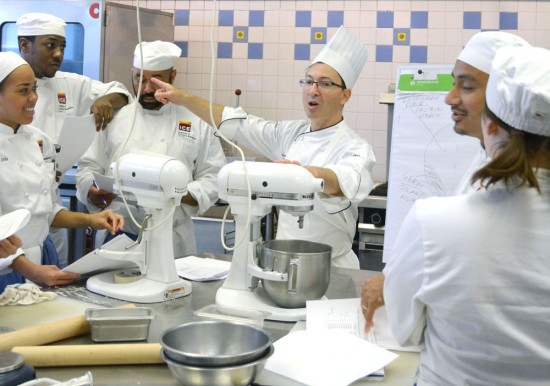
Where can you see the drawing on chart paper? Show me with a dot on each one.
(427, 157)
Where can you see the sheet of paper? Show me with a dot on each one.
(326, 358)
(345, 314)
(104, 182)
(199, 269)
(12, 222)
(97, 260)
(77, 133)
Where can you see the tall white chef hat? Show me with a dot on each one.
(345, 54)
(482, 47)
(34, 24)
(9, 61)
(157, 55)
(518, 90)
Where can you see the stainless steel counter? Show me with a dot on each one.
(345, 283)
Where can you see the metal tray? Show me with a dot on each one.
(119, 324)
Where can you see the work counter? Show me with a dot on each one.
(344, 283)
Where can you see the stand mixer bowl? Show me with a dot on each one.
(307, 264)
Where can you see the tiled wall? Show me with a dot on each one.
(263, 47)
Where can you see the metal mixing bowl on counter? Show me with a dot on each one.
(238, 375)
(215, 343)
(307, 264)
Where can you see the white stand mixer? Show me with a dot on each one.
(291, 188)
(158, 183)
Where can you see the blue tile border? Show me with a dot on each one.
(402, 36)
(318, 36)
(418, 54)
(471, 20)
(335, 19)
(303, 19)
(240, 34)
(384, 19)
(256, 18)
(302, 52)
(384, 53)
(225, 50)
(181, 17)
(226, 18)
(255, 50)
(508, 20)
(419, 19)
(184, 48)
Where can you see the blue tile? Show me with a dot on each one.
(184, 48)
(181, 17)
(335, 19)
(419, 19)
(508, 20)
(419, 54)
(225, 18)
(318, 36)
(225, 50)
(472, 20)
(255, 50)
(256, 18)
(384, 19)
(302, 52)
(240, 34)
(402, 36)
(303, 18)
(384, 53)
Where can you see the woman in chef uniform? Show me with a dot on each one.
(471, 287)
(27, 171)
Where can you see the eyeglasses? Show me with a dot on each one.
(322, 84)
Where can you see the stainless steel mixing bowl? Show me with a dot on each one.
(215, 343)
(307, 264)
(239, 375)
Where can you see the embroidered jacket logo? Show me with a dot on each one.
(61, 98)
(184, 126)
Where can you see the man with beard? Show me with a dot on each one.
(42, 43)
(153, 127)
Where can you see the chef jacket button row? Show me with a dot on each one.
(26, 195)
(39, 163)
(45, 192)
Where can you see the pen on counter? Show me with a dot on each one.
(102, 196)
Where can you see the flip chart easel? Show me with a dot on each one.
(427, 157)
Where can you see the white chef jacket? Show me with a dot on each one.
(27, 178)
(465, 185)
(469, 281)
(174, 131)
(333, 220)
(68, 94)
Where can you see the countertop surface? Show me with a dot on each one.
(75, 299)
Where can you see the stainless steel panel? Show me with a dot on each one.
(121, 38)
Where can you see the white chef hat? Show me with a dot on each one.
(9, 61)
(345, 54)
(518, 90)
(157, 55)
(482, 47)
(34, 24)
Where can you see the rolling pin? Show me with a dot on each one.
(47, 332)
(91, 354)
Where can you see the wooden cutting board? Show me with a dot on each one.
(18, 317)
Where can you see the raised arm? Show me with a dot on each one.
(200, 107)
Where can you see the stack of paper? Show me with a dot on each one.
(199, 269)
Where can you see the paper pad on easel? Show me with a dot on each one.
(326, 358)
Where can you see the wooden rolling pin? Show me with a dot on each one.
(47, 332)
(91, 354)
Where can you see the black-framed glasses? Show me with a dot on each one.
(322, 84)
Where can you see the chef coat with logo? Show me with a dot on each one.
(27, 178)
(333, 219)
(173, 131)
